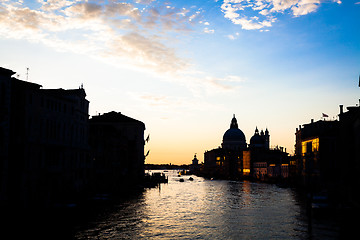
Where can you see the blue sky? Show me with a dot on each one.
(185, 67)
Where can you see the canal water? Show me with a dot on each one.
(207, 209)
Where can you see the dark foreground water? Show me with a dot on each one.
(199, 209)
(204, 209)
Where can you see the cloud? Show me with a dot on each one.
(207, 30)
(156, 100)
(169, 106)
(232, 37)
(224, 83)
(146, 52)
(264, 11)
(202, 84)
(133, 33)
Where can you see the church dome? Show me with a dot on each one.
(257, 139)
(234, 138)
(233, 134)
(260, 140)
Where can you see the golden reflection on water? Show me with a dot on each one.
(203, 209)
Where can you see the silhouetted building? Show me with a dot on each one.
(235, 160)
(349, 153)
(5, 95)
(316, 151)
(226, 161)
(234, 138)
(117, 144)
(261, 140)
(328, 156)
(195, 166)
(44, 147)
(266, 162)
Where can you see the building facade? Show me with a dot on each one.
(327, 154)
(5, 107)
(44, 137)
(226, 161)
(316, 153)
(349, 152)
(117, 148)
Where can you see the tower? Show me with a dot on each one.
(267, 139)
(195, 161)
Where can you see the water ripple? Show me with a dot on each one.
(204, 209)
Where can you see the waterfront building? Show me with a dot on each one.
(237, 160)
(260, 141)
(44, 146)
(195, 166)
(349, 152)
(226, 161)
(328, 156)
(5, 83)
(117, 148)
(315, 148)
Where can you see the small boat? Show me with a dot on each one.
(181, 180)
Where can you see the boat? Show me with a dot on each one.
(152, 180)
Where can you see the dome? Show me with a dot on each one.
(234, 134)
(234, 138)
(257, 139)
(260, 140)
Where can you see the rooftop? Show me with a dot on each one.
(114, 117)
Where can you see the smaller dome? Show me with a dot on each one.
(257, 139)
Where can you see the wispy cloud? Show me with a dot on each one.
(131, 32)
(137, 34)
(202, 84)
(167, 106)
(258, 14)
(207, 30)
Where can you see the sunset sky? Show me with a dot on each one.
(185, 67)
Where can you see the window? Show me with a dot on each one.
(309, 146)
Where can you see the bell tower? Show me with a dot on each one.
(267, 139)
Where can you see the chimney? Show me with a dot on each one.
(341, 109)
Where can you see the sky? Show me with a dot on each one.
(185, 67)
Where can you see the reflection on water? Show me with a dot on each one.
(204, 209)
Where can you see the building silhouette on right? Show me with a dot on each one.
(327, 155)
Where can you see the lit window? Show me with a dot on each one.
(312, 143)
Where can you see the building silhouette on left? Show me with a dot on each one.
(44, 147)
(117, 150)
(51, 154)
